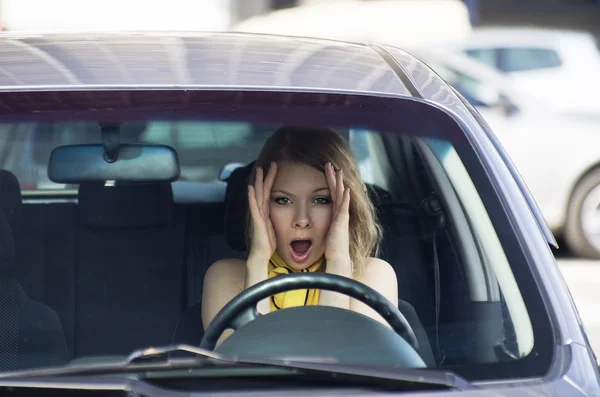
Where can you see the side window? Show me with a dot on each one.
(359, 144)
(490, 278)
(489, 56)
(522, 59)
(195, 135)
(158, 132)
(15, 154)
(204, 148)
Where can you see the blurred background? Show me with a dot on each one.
(530, 67)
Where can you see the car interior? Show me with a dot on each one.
(112, 266)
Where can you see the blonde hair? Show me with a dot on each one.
(315, 147)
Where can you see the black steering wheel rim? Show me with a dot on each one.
(242, 308)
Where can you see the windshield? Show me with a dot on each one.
(102, 268)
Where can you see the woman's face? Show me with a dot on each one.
(300, 211)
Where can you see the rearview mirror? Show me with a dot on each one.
(135, 163)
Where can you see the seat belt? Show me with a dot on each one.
(433, 208)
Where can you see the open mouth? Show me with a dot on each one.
(300, 250)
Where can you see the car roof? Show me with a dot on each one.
(215, 61)
(163, 59)
(71, 61)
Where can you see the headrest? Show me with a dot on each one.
(7, 248)
(236, 207)
(10, 199)
(125, 205)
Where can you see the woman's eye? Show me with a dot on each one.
(322, 200)
(283, 200)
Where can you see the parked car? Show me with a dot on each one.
(406, 23)
(543, 62)
(102, 286)
(557, 154)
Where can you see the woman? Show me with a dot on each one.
(311, 212)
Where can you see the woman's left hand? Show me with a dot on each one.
(337, 248)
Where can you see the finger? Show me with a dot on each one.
(339, 188)
(269, 181)
(330, 177)
(252, 202)
(258, 186)
(345, 208)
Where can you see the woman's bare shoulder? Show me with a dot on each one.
(228, 266)
(376, 272)
(230, 271)
(379, 275)
(224, 279)
(379, 267)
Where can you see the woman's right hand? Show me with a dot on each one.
(259, 198)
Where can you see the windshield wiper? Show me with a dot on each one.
(161, 359)
(151, 358)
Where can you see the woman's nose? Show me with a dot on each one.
(302, 218)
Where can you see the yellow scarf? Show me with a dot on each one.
(300, 297)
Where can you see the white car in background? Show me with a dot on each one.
(544, 62)
(557, 155)
(406, 23)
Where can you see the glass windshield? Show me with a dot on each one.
(111, 266)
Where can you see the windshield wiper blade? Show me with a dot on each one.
(160, 359)
(429, 376)
(151, 358)
(418, 376)
(164, 352)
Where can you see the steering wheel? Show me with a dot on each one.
(242, 309)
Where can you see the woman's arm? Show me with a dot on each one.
(224, 280)
(335, 299)
(256, 271)
(379, 275)
(337, 253)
